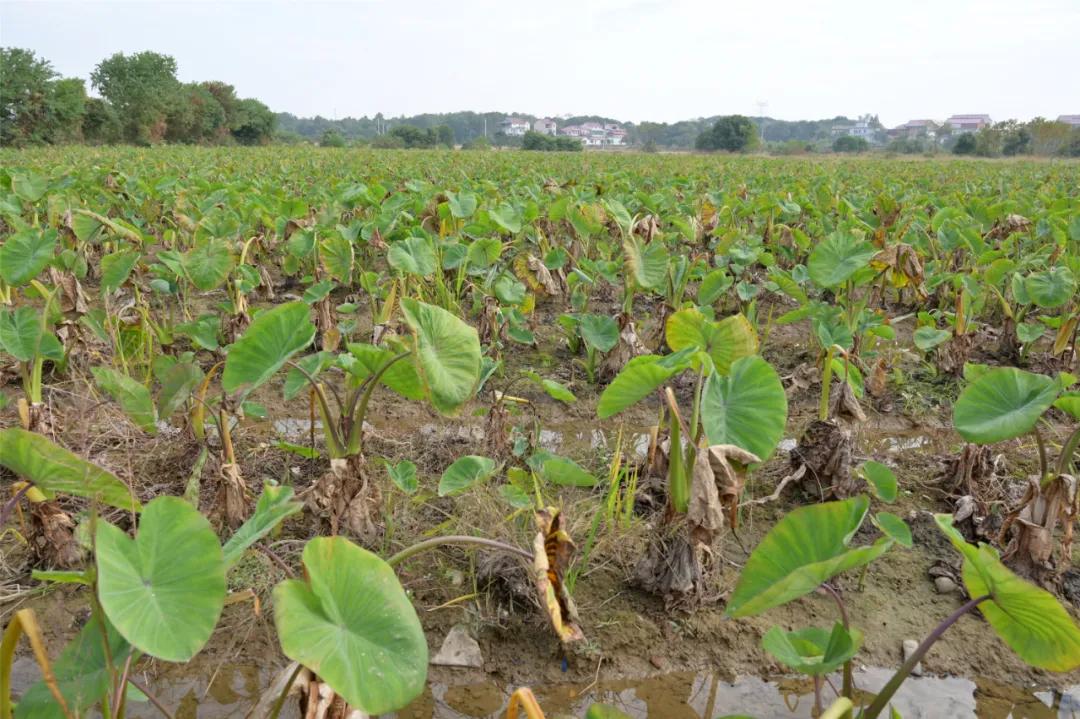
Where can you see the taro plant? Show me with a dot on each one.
(443, 367)
(736, 420)
(1005, 403)
(26, 335)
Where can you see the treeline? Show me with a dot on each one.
(141, 102)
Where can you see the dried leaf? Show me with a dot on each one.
(551, 558)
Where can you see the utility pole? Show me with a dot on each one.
(761, 105)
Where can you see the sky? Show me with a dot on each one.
(632, 60)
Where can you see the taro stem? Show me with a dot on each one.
(455, 539)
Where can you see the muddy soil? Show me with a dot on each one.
(629, 634)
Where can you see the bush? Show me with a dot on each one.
(477, 143)
(332, 138)
(733, 133)
(547, 143)
(388, 142)
(847, 143)
(965, 145)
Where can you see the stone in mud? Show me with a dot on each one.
(910, 645)
(944, 585)
(459, 650)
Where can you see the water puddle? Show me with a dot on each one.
(230, 691)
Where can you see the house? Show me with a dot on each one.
(514, 126)
(968, 123)
(916, 128)
(545, 126)
(595, 134)
(1073, 120)
(863, 127)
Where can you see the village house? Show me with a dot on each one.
(862, 127)
(545, 126)
(594, 134)
(968, 123)
(514, 126)
(1073, 120)
(915, 128)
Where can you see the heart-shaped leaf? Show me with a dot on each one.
(1051, 288)
(639, 378)
(567, 472)
(814, 650)
(746, 408)
(927, 338)
(807, 547)
(208, 265)
(55, 470)
(353, 625)
(837, 258)
(25, 253)
(165, 589)
(403, 474)
(1001, 404)
(1029, 619)
(273, 337)
(23, 337)
(725, 341)
(894, 527)
(464, 473)
(599, 332)
(447, 352)
(412, 256)
(881, 479)
(645, 262)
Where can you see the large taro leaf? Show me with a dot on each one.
(813, 650)
(165, 589)
(208, 265)
(1001, 404)
(646, 263)
(1029, 619)
(82, 674)
(837, 258)
(725, 341)
(401, 377)
(412, 256)
(746, 408)
(1051, 288)
(337, 257)
(132, 396)
(447, 354)
(55, 470)
(116, 268)
(352, 624)
(640, 377)
(23, 337)
(464, 473)
(599, 331)
(273, 507)
(177, 384)
(272, 338)
(566, 472)
(807, 547)
(24, 254)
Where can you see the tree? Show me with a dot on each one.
(388, 142)
(197, 116)
(142, 88)
(477, 143)
(965, 145)
(100, 123)
(733, 133)
(332, 138)
(253, 123)
(66, 109)
(444, 135)
(1048, 137)
(24, 95)
(848, 143)
(414, 137)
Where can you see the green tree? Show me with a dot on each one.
(965, 145)
(1048, 137)
(732, 133)
(388, 142)
(197, 116)
(414, 137)
(67, 107)
(847, 143)
(24, 96)
(253, 123)
(444, 135)
(332, 138)
(100, 123)
(142, 88)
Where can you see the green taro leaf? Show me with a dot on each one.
(400, 377)
(412, 256)
(881, 479)
(208, 265)
(353, 625)
(447, 353)
(646, 263)
(516, 497)
(567, 472)
(554, 389)
(165, 589)
(273, 337)
(53, 469)
(725, 341)
(1001, 404)
(337, 257)
(927, 338)
(464, 473)
(22, 336)
(814, 650)
(462, 204)
(638, 379)
(116, 268)
(82, 674)
(894, 527)
(1029, 619)
(24, 254)
(132, 396)
(403, 474)
(274, 506)
(807, 547)
(1069, 403)
(1051, 288)
(746, 408)
(177, 384)
(837, 258)
(29, 186)
(599, 332)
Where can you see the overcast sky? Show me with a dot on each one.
(632, 60)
